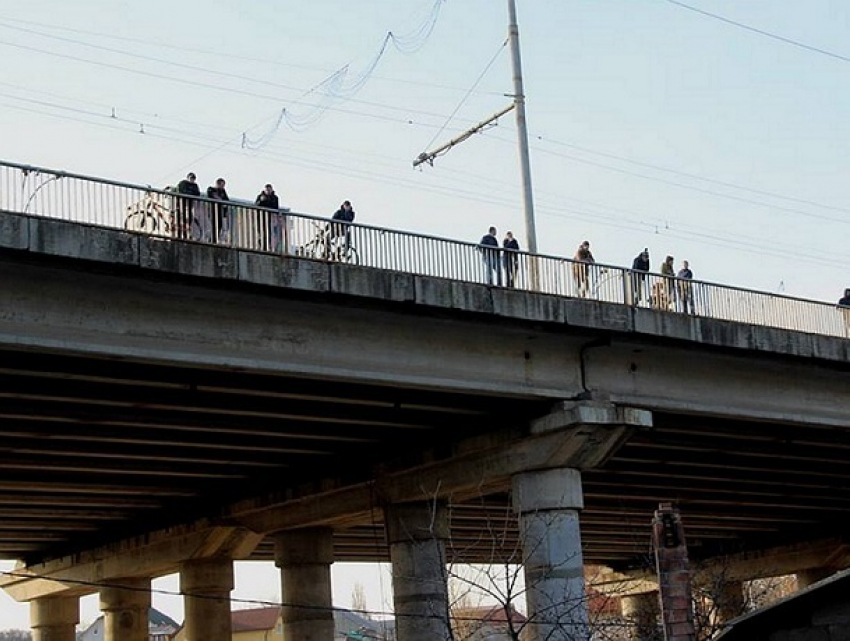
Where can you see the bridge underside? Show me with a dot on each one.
(98, 450)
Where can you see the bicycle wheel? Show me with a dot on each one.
(351, 256)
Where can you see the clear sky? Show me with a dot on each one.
(651, 125)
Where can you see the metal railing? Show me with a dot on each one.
(166, 214)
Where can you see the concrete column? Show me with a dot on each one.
(548, 503)
(54, 618)
(806, 577)
(641, 614)
(305, 558)
(674, 574)
(206, 586)
(416, 533)
(126, 609)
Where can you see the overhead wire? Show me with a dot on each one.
(639, 175)
(229, 55)
(690, 187)
(215, 72)
(468, 93)
(556, 211)
(761, 32)
(685, 174)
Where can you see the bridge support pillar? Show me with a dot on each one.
(806, 577)
(548, 503)
(206, 586)
(641, 613)
(416, 533)
(305, 558)
(126, 610)
(54, 618)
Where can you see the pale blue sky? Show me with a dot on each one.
(651, 125)
(616, 90)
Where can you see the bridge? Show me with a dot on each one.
(171, 404)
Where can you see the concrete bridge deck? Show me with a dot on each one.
(157, 389)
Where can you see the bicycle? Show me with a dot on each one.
(328, 245)
(148, 216)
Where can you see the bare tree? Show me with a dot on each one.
(358, 600)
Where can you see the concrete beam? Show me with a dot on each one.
(669, 378)
(157, 554)
(574, 435)
(54, 238)
(831, 554)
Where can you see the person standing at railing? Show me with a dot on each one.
(344, 215)
(221, 217)
(844, 306)
(686, 292)
(186, 206)
(511, 258)
(640, 267)
(489, 248)
(583, 259)
(271, 236)
(663, 291)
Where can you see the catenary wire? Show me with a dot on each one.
(160, 44)
(591, 216)
(468, 93)
(761, 32)
(231, 599)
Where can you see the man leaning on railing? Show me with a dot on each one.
(345, 215)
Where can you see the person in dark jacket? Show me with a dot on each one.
(685, 288)
(267, 198)
(344, 215)
(511, 258)
(268, 229)
(640, 267)
(186, 206)
(221, 222)
(489, 248)
(844, 305)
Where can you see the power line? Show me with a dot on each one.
(161, 44)
(684, 174)
(216, 72)
(709, 192)
(551, 211)
(761, 32)
(99, 585)
(468, 93)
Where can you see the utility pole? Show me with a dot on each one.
(518, 106)
(522, 131)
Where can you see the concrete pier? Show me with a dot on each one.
(417, 533)
(126, 607)
(54, 618)
(206, 584)
(548, 503)
(305, 558)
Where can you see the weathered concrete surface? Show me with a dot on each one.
(206, 585)
(305, 558)
(54, 618)
(47, 238)
(416, 533)
(548, 503)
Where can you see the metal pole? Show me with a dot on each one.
(522, 131)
